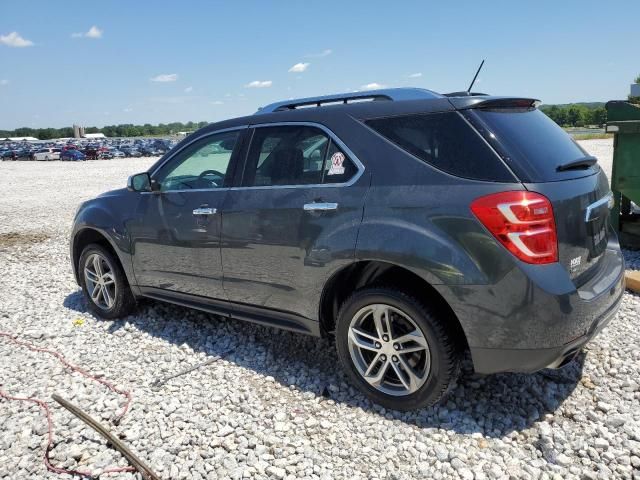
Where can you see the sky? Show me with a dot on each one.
(116, 61)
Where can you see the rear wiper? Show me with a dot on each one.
(581, 163)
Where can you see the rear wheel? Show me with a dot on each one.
(104, 283)
(396, 349)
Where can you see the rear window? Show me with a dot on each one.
(532, 143)
(445, 141)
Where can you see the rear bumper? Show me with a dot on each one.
(493, 360)
(535, 317)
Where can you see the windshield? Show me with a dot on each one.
(533, 145)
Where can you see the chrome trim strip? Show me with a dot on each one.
(608, 199)
(223, 189)
(317, 206)
(205, 211)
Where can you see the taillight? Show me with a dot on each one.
(523, 222)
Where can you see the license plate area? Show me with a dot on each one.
(597, 229)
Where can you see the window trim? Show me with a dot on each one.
(332, 136)
(187, 145)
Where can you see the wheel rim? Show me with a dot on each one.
(100, 281)
(389, 350)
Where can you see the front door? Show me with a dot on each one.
(176, 235)
(293, 221)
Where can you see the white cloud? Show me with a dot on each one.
(299, 67)
(323, 53)
(415, 75)
(217, 102)
(188, 90)
(165, 77)
(14, 39)
(372, 86)
(4, 81)
(227, 95)
(259, 84)
(127, 110)
(93, 32)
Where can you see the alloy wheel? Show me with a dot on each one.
(100, 281)
(389, 350)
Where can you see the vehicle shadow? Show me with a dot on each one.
(494, 405)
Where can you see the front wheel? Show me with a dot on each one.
(398, 351)
(104, 283)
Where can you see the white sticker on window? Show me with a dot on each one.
(337, 164)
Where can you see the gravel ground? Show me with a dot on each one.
(275, 405)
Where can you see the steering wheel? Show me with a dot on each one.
(211, 172)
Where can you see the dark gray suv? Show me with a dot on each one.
(412, 226)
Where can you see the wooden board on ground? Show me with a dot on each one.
(632, 278)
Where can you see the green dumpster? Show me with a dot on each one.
(623, 120)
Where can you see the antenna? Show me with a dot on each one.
(474, 78)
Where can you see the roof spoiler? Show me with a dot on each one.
(465, 94)
(477, 101)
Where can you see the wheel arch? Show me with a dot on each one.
(86, 236)
(365, 273)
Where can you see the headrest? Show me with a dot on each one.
(287, 166)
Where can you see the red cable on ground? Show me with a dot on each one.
(47, 411)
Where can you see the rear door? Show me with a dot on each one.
(550, 162)
(294, 220)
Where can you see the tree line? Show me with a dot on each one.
(122, 130)
(569, 115)
(577, 114)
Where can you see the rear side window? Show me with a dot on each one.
(445, 141)
(295, 155)
(533, 143)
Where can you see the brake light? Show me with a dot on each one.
(523, 222)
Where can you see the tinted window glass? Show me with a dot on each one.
(445, 141)
(535, 142)
(292, 155)
(204, 164)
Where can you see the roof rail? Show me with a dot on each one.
(388, 94)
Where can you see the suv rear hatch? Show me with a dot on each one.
(548, 161)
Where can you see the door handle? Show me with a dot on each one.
(320, 207)
(204, 211)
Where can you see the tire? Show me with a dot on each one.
(408, 315)
(118, 301)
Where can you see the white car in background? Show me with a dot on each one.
(47, 154)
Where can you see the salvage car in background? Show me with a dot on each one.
(73, 155)
(47, 154)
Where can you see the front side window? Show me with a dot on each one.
(295, 155)
(202, 165)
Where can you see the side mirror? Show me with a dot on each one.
(142, 182)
